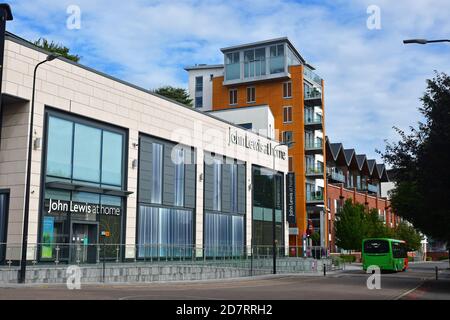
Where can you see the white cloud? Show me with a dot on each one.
(372, 80)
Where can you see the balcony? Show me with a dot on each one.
(314, 171)
(314, 146)
(311, 76)
(372, 188)
(337, 177)
(314, 197)
(256, 70)
(313, 120)
(313, 95)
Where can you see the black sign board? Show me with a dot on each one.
(290, 198)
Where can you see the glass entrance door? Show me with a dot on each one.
(84, 243)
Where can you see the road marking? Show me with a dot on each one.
(409, 291)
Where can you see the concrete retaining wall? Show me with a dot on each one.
(123, 272)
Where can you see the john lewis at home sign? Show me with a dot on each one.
(254, 144)
(72, 207)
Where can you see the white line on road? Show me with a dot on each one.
(409, 291)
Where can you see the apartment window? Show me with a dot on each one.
(251, 94)
(233, 96)
(287, 136)
(287, 114)
(199, 92)
(291, 164)
(199, 84)
(287, 89)
(198, 102)
(232, 66)
(276, 59)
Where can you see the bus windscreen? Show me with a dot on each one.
(376, 246)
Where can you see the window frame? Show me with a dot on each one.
(82, 120)
(233, 91)
(287, 111)
(287, 88)
(252, 90)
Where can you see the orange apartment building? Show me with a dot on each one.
(272, 73)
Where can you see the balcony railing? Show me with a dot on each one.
(313, 144)
(314, 196)
(254, 68)
(277, 64)
(233, 71)
(372, 188)
(337, 176)
(313, 118)
(313, 94)
(310, 75)
(311, 170)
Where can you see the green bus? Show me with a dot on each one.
(387, 254)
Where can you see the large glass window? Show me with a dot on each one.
(81, 152)
(224, 235)
(264, 202)
(217, 184)
(277, 59)
(232, 66)
(165, 232)
(86, 153)
(59, 149)
(157, 170)
(254, 62)
(112, 158)
(179, 177)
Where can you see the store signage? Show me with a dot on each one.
(290, 198)
(257, 145)
(81, 207)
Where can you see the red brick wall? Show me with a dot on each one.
(337, 192)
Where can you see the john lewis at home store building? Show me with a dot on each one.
(109, 158)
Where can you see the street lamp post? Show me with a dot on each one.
(424, 41)
(23, 260)
(274, 240)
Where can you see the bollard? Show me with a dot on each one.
(324, 269)
(436, 269)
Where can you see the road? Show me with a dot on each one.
(416, 283)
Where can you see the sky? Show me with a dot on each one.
(372, 80)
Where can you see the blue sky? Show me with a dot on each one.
(372, 80)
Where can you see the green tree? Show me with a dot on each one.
(420, 160)
(355, 223)
(178, 94)
(349, 226)
(56, 48)
(409, 234)
(375, 228)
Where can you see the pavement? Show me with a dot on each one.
(418, 282)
